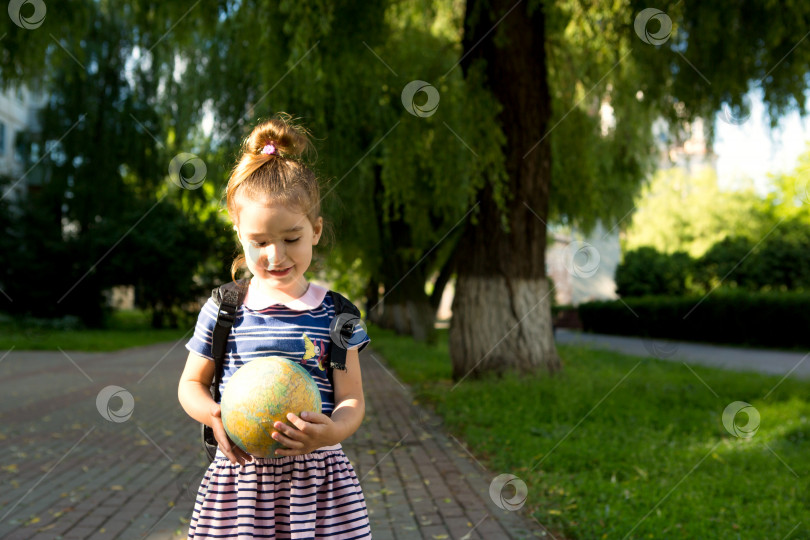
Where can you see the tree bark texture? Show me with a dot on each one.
(501, 310)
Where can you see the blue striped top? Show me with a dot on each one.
(295, 333)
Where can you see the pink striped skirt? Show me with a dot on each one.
(316, 495)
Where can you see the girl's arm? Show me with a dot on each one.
(350, 407)
(196, 400)
(315, 430)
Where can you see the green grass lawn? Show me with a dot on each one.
(625, 447)
(125, 329)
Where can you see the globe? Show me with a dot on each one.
(261, 393)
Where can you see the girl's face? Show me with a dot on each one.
(277, 243)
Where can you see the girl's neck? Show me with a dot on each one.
(278, 294)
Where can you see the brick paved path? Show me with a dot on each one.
(68, 472)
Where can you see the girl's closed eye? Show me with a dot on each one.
(262, 244)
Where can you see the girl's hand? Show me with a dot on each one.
(231, 451)
(309, 432)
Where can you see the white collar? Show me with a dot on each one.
(257, 300)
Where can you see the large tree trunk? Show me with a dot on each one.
(501, 310)
(405, 307)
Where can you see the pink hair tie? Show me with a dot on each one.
(269, 148)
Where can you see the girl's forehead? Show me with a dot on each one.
(263, 217)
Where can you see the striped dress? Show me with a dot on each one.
(315, 495)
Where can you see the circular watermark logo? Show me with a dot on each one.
(736, 114)
(32, 21)
(254, 253)
(271, 259)
(660, 349)
(409, 94)
(178, 169)
(581, 259)
(111, 414)
(514, 501)
(642, 26)
(343, 330)
(730, 415)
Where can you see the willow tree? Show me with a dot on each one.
(101, 203)
(552, 66)
(398, 183)
(515, 141)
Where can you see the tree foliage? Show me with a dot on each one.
(778, 261)
(677, 211)
(100, 207)
(736, 238)
(147, 75)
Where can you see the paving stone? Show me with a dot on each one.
(138, 478)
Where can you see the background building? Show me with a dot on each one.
(18, 113)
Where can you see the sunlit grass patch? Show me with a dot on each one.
(618, 446)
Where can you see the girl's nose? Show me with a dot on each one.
(275, 254)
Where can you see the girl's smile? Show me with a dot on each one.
(279, 273)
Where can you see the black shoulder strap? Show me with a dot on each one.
(341, 330)
(228, 298)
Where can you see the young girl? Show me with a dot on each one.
(310, 489)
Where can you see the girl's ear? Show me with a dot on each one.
(317, 230)
(238, 235)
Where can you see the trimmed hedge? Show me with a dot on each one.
(742, 318)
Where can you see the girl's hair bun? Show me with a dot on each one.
(289, 140)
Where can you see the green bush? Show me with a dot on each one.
(777, 261)
(645, 271)
(772, 319)
(728, 262)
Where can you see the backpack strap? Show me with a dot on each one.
(341, 330)
(228, 298)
